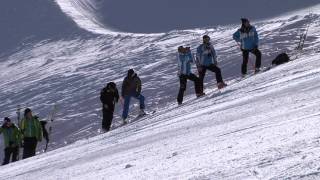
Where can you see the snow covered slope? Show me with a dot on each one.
(265, 124)
(264, 127)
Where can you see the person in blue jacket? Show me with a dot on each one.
(207, 60)
(185, 58)
(248, 38)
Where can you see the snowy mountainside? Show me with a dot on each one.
(264, 127)
(240, 120)
(71, 73)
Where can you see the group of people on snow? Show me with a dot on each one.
(109, 96)
(26, 135)
(30, 131)
(206, 59)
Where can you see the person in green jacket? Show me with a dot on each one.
(12, 140)
(32, 133)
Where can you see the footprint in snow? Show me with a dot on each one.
(128, 166)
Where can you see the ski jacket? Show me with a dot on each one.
(109, 97)
(248, 38)
(206, 55)
(11, 135)
(31, 128)
(131, 85)
(184, 63)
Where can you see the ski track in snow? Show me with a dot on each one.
(263, 127)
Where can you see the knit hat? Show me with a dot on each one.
(111, 85)
(180, 48)
(130, 72)
(244, 20)
(6, 119)
(28, 110)
(205, 37)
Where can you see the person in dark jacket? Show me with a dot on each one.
(12, 141)
(131, 87)
(32, 133)
(109, 96)
(248, 38)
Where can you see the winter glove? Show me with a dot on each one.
(106, 106)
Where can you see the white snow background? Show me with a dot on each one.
(264, 127)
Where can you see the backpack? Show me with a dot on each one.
(281, 59)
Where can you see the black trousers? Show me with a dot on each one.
(212, 68)
(29, 147)
(183, 85)
(245, 54)
(107, 119)
(8, 152)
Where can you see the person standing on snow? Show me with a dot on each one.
(31, 130)
(248, 38)
(207, 60)
(131, 87)
(109, 96)
(185, 58)
(12, 140)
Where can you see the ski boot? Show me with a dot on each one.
(200, 95)
(257, 70)
(142, 113)
(221, 85)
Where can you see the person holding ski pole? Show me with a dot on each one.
(185, 58)
(12, 140)
(109, 96)
(131, 87)
(248, 40)
(32, 133)
(206, 59)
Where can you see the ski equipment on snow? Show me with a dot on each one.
(50, 119)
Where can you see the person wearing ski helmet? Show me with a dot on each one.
(185, 58)
(109, 96)
(32, 133)
(12, 141)
(206, 59)
(131, 87)
(248, 38)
